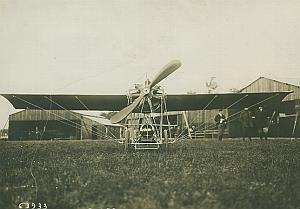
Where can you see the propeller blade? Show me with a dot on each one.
(127, 110)
(165, 71)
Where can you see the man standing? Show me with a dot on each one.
(246, 122)
(220, 120)
(261, 123)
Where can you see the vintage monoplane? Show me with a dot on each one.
(144, 110)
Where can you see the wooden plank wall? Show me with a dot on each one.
(56, 115)
(44, 115)
(203, 119)
(87, 129)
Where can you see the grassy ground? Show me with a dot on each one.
(191, 174)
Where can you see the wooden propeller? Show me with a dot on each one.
(163, 73)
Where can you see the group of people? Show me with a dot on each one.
(249, 121)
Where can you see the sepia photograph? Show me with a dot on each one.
(148, 104)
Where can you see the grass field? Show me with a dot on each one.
(191, 174)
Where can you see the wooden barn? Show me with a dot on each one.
(59, 124)
(203, 120)
(284, 120)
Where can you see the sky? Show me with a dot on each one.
(105, 46)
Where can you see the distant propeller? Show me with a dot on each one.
(164, 72)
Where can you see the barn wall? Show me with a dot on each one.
(86, 129)
(59, 124)
(44, 115)
(44, 130)
(203, 119)
(265, 84)
(92, 129)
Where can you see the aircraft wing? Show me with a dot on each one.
(223, 101)
(69, 102)
(182, 102)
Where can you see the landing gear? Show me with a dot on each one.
(149, 128)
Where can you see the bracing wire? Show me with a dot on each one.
(213, 125)
(72, 113)
(233, 115)
(82, 103)
(88, 109)
(75, 125)
(69, 123)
